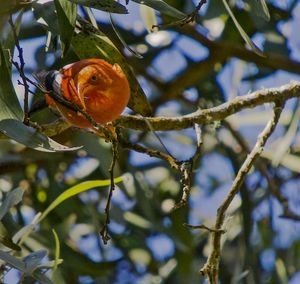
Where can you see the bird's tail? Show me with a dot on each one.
(48, 83)
(46, 79)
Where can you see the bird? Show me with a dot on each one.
(95, 86)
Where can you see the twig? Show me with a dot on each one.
(202, 226)
(262, 167)
(104, 231)
(211, 267)
(186, 170)
(150, 152)
(22, 84)
(20, 69)
(184, 21)
(157, 137)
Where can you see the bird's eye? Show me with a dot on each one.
(94, 78)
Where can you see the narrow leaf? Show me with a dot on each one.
(285, 142)
(10, 106)
(12, 261)
(30, 137)
(11, 199)
(290, 161)
(22, 234)
(10, 40)
(260, 8)
(33, 260)
(104, 5)
(148, 17)
(75, 190)
(66, 13)
(91, 16)
(50, 264)
(162, 7)
(57, 250)
(134, 52)
(5, 238)
(241, 31)
(137, 220)
(46, 16)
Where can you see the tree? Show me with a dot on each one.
(126, 203)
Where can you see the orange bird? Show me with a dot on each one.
(95, 86)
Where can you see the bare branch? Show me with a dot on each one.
(262, 167)
(228, 49)
(202, 116)
(204, 227)
(211, 267)
(104, 232)
(186, 171)
(150, 152)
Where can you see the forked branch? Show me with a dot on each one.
(211, 267)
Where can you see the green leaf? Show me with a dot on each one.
(75, 190)
(10, 40)
(30, 137)
(5, 238)
(134, 52)
(12, 198)
(285, 142)
(241, 31)
(137, 220)
(33, 260)
(46, 16)
(11, 114)
(104, 5)
(57, 250)
(94, 44)
(26, 230)
(14, 262)
(66, 13)
(290, 161)
(148, 17)
(281, 270)
(11, 6)
(260, 8)
(162, 7)
(7, 6)
(10, 106)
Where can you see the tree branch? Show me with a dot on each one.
(201, 116)
(218, 113)
(227, 50)
(104, 231)
(211, 268)
(262, 167)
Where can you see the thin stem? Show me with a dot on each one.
(184, 21)
(104, 231)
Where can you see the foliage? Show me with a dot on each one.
(198, 55)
